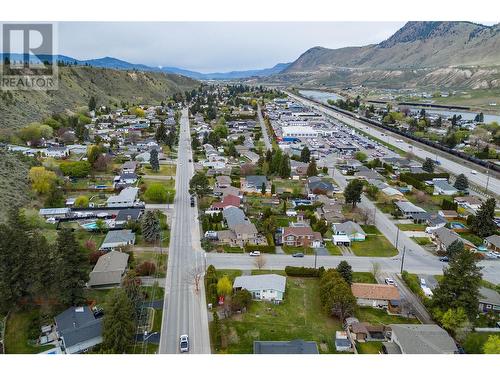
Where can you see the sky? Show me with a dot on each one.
(213, 46)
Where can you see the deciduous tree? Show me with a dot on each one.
(352, 192)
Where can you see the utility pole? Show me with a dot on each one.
(315, 257)
(403, 259)
(487, 178)
(397, 239)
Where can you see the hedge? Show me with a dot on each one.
(262, 249)
(303, 271)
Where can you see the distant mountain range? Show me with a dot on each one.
(113, 63)
(459, 54)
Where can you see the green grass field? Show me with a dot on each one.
(374, 246)
(412, 227)
(370, 347)
(379, 316)
(17, 332)
(363, 277)
(333, 249)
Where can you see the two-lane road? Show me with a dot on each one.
(185, 310)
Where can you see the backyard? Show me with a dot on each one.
(20, 326)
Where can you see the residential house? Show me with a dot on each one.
(408, 208)
(419, 339)
(285, 347)
(253, 184)
(222, 181)
(444, 237)
(227, 201)
(234, 216)
(126, 198)
(125, 179)
(109, 270)
(301, 236)
(368, 174)
(129, 167)
(268, 287)
(433, 221)
(493, 242)
(442, 187)
(298, 168)
(127, 215)
(469, 202)
(342, 342)
(489, 300)
(78, 329)
(57, 213)
(331, 210)
(246, 233)
(351, 229)
(318, 185)
(56, 152)
(448, 214)
(224, 191)
(118, 238)
(377, 295)
(251, 156)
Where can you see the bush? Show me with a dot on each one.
(413, 283)
(94, 257)
(302, 271)
(240, 300)
(75, 168)
(262, 249)
(146, 269)
(156, 192)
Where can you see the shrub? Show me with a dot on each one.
(146, 269)
(262, 249)
(240, 300)
(302, 271)
(94, 256)
(75, 168)
(156, 192)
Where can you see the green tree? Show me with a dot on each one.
(240, 300)
(92, 103)
(93, 154)
(132, 286)
(305, 155)
(217, 330)
(483, 224)
(284, 167)
(199, 184)
(161, 134)
(153, 160)
(455, 321)
(41, 179)
(119, 322)
(492, 345)
(55, 197)
(345, 270)
(456, 247)
(336, 295)
(75, 168)
(263, 188)
(82, 201)
(273, 189)
(360, 156)
(156, 192)
(150, 226)
(428, 165)
(72, 268)
(224, 286)
(352, 192)
(312, 169)
(461, 183)
(460, 284)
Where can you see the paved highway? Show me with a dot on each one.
(185, 309)
(265, 134)
(480, 179)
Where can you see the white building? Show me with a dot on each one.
(299, 132)
(126, 198)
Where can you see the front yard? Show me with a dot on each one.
(374, 246)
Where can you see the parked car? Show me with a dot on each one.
(298, 255)
(390, 281)
(254, 253)
(444, 259)
(184, 343)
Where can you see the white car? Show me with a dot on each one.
(473, 171)
(184, 343)
(255, 253)
(390, 281)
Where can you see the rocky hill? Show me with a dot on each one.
(78, 83)
(420, 53)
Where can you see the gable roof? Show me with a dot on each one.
(375, 291)
(246, 228)
(109, 269)
(123, 235)
(261, 282)
(228, 200)
(422, 339)
(349, 227)
(285, 347)
(493, 239)
(78, 324)
(256, 181)
(298, 231)
(447, 237)
(489, 296)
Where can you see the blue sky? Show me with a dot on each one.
(213, 46)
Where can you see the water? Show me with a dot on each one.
(321, 96)
(466, 115)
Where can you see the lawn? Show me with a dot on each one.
(96, 295)
(386, 208)
(297, 249)
(472, 238)
(374, 246)
(370, 229)
(412, 227)
(333, 249)
(157, 320)
(370, 347)
(299, 317)
(17, 333)
(363, 277)
(380, 316)
(160, 260)
(422, 241)
(165, 170)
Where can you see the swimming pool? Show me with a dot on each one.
(90, 226)
(456, 225)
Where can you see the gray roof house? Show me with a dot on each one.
(444, 237)
(351, 229)
(254, 183)
(268, 287)
(126, 198)
(408, 208)
(489, 300)
(78, 329)
(118, 238)
(421, 339)
(317, 185)
(493, 242)
(234, 216)
(109, 270)
(442, 187)
(285, 347)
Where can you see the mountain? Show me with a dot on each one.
(423, 53)
(78, 83)
(113, 63)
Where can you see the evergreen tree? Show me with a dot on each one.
(460, 284)
(71, 264)
(345, 270)
(217, 330)
(161, 134)
(132, 287)
(55, 197)
(150, 225)
(461, 183)
(199, 184)
(312, 169)
(119, 324)
(336, 295)
(428, 165)
(352, 192)
(483, 224)
(263, 188)
(92, 103)
(455, 248)
(285, 169)
(153, 160)
(305, 155)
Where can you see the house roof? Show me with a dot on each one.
(261, 282)
(443, 185)
(124, 235)
(109, 269)
(228, 200)
(129, 165)
(349, 227)
(229, 190)
(493, 239)
(298, 231)
(285, 347)
(78, 324)
(223, 180)
(256, 181)
(422, 339)
(246, 228)
(406, 206)
(127, 194)
(447, 237)
(471, 199)
(489, 296)
(234, 216)
(375, 291)
(128, 214)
